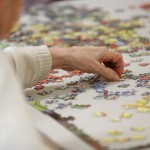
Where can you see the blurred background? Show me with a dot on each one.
(29, 3)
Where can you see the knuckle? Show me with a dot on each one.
(119, 55)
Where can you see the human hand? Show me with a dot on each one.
(89, 59)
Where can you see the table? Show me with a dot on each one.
(86, 110)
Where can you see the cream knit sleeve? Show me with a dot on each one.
(31, 63)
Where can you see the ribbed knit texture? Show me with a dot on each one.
(31, 63)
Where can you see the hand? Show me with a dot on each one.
(89, 59)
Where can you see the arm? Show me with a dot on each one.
(16, 124)
(34, 63)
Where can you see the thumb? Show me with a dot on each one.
(108, 73)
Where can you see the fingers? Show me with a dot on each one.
(106, 72)
(119, 69)
(89, 59)
(113, 60)
(119, 64)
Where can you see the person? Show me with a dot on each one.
(21, 66)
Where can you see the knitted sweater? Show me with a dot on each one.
(17, 128)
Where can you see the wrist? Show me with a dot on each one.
(60, 56)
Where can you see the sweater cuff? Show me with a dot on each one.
(44, 61)
(31, 63)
